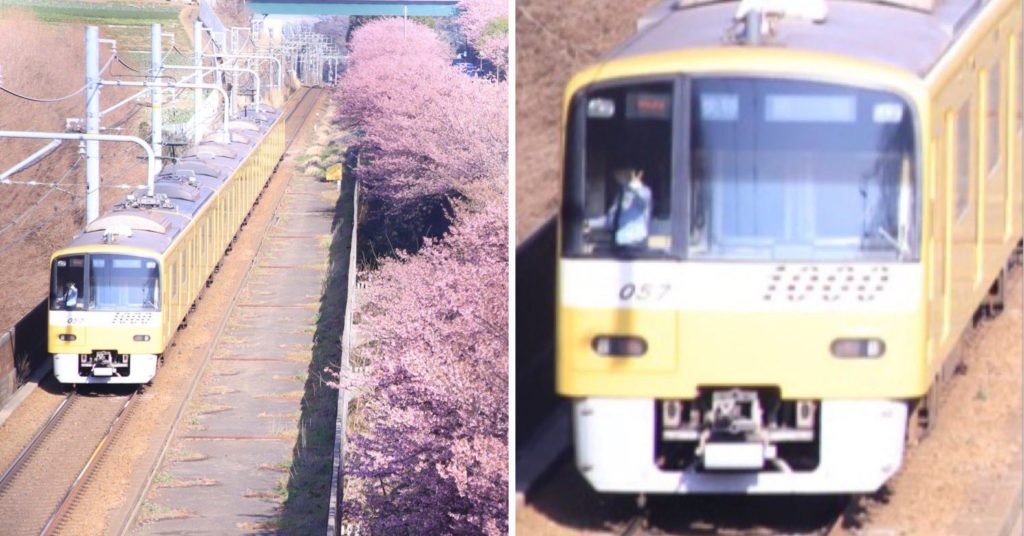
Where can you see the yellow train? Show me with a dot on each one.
(778, 219)
(122, 287)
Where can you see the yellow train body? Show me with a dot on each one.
(184, 269)
(701, 329)
(960, 257)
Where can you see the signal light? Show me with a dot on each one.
(847, 348)
(619, 346)
(66, 337)
(141, 338)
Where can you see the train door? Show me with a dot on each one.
(1015, 126)
(962, 258)
(992, 213)
(942, 151)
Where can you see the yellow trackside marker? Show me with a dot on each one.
(335, 173)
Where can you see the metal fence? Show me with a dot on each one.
(335, 526)
(210, 19)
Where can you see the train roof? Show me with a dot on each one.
(181, 190)
(912, 39)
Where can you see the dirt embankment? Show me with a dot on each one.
(554, 39)
(48, 61)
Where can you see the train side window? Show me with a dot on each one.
(963, 159)
(992, 109)
(172, 280)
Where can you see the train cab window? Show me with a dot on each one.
(963, 159)
(123, 283)
(785, 170)
(67, 287)
(624, 207)
(992, 113)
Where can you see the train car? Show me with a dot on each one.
(778, 219)
(122, 287)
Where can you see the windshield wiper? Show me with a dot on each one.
(900, 246)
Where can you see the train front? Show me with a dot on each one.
(741, 297)
(104, 319)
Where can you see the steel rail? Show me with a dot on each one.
(26, 453)
(67, 502)
(130, 520)
(636, 526)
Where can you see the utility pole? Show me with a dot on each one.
(197, 60)
(92, 123)
(158, 119)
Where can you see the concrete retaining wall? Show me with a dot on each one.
(22, 351)
(535, 330)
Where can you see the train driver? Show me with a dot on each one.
(70, 295)
(629, 215)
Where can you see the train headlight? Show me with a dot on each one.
(858, 348)
(66, 337)
(619, 346)
(141, 338)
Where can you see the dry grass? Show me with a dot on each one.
(188, 483)
(187, 456)
(291, 395)
(154, 512)
(34, 221)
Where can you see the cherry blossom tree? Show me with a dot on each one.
(431, 454)
(427, 128)
(485, 23)
(434, 455)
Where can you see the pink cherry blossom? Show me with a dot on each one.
(485, 23)
(429, 455)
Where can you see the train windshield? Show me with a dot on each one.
(102, 282)
(755, 169)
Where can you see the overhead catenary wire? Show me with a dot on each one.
(39, 201)
(58, 185)
(58, 99)
(35, 229)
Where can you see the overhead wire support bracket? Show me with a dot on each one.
(181, 85)
(280, 65)
(152, 168)
(206, 70)
(31, 159)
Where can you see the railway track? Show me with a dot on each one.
(307, 101)
(50, 473)
(825, 516)
(43, 485)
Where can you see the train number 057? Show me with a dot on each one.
(644, 292)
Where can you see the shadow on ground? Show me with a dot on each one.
(566, 499)
(308, 491)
